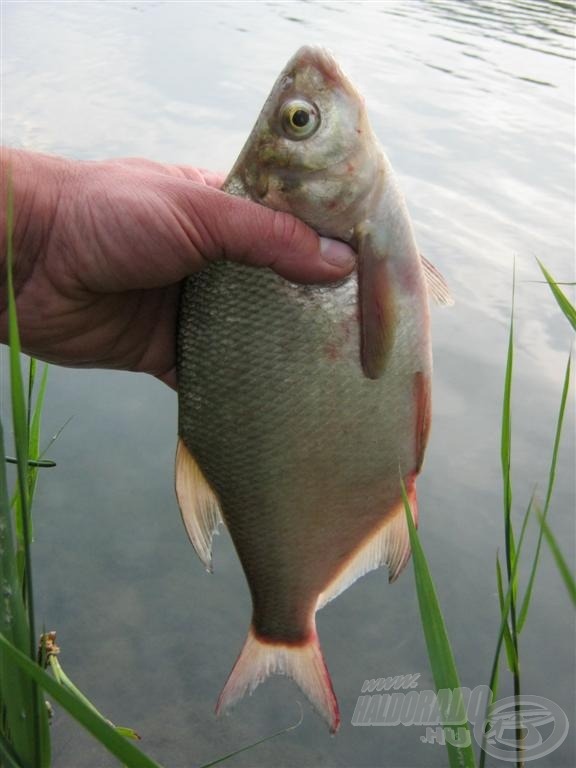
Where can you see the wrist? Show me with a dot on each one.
(36, 181)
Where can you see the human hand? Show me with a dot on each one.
(101, 249)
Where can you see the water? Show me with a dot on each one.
(474, 104)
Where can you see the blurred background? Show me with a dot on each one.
(474, 104)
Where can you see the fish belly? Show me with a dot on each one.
(303, 452)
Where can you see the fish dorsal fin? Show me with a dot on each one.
(198, 504)
(376, 303)
(389, 546)
(437, 286)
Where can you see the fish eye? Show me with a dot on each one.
(300, 119)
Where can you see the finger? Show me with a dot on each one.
(200, 175)
(249, 233)
(169, 378)
(212, 178)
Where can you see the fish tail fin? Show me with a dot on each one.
(303, 662)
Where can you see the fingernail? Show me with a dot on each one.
(336, 253)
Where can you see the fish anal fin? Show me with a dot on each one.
(437, 286)
(376, 302)
(198, 504)
(303, 662)
(389, 545)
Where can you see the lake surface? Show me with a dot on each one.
(474, 103)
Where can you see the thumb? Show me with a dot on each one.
(249, 233)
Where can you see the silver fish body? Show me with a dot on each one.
(302, 407)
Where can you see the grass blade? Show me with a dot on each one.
(50, 654)
(17, 694)
(33, 417)
(55, 436)
(34, 435)
(505, 610)
(551, 481)
(8, 757)
(510, 653)
(439, 650)
(20, 422)
(506, 430)
(31, 474)
(121, 748)
(255, 743)
(564, 303)
(565, 572)
(36, 722)
(511, 631)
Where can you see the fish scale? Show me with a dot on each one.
(302, 407)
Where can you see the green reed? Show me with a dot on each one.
(512, 620)
(23, 714)
(24, 658)
(24, 740)
(24, 719)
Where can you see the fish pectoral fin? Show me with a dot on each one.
(303, 662)
(376, 303)
(389, 545)
(437, 285)
(198, 504)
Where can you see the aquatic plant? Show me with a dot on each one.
(512, 621)
(24, 679)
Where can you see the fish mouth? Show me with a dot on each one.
(321, 59)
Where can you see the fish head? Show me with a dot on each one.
(312, 151)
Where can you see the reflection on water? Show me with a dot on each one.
(474, 102)
(541, 26)
(545, 26)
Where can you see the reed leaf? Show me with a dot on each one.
(439, 649)
(563, 567)
(64, 680)
(551, 481)
(120, 747)
(17, 693)
(34, 433)
(8, 757)
(255, 743)
(564, 303)
(37, 740)
(504, 611)
(509, 645)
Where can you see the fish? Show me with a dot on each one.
(303, 408)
